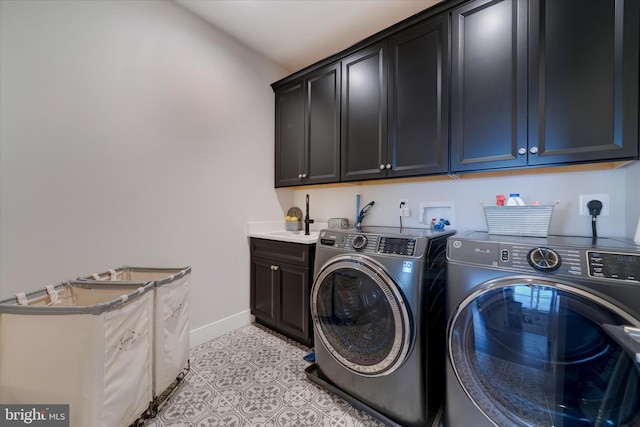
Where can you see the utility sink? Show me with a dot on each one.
(287, 236)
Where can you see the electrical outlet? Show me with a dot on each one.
(404, 207)
(586, 198)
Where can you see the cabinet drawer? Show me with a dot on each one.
(290, 253)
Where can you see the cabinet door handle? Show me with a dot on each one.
(300, 175)
(275, 267)
(388, 165)
(304, 175)
(381, 167)
(522, 151)
(533, 150)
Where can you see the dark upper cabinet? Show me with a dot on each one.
(477, 85)
(308, 129)
(290, 132)
(322, 124)
(395, 105)
(583, 80)
(364, 114)
(566, 91)
(489, 85)
(418, 137)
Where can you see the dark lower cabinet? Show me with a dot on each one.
(281, 279)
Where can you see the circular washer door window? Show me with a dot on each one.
(530, 352)
(360, 316)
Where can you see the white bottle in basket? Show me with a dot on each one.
(514, 200)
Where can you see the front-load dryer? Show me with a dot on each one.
(378, 308)
(543, 331)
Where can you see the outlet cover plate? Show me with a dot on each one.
(586, 198)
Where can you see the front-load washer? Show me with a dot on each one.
(378, 309)
(542, 331)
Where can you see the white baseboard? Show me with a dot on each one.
(213, 330)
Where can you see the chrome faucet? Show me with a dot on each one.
(363, 213)
(307, 220)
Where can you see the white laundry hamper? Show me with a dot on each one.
(81, 345)
(171, 316)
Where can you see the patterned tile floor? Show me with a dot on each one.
(254, 377)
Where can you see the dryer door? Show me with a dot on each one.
(531, 352)
(360, 316)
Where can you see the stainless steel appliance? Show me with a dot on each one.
(378, 308)
(542, 331)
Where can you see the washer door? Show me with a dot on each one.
(529, 352)
(360, 316)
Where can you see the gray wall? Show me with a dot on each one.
(467, 193)
(132, 132)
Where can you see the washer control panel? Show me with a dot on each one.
(371, 243)
(350, 241)
(398, 246)
(614, 265)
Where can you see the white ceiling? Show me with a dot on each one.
(297, 33)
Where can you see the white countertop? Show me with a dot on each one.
(275, 230)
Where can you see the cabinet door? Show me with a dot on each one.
(263, 290)
(489, 85)
(322, 126)
(583, 80)
(289, 154)
(294, 292)
(419, 99)
(364, 114)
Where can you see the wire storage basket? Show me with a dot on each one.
(529, 221)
